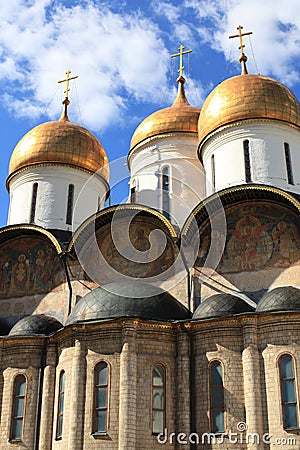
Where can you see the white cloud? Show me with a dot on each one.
(195, 92)
(8, 70)
(275, 26)
(121, 58)
(167, 9)
(115, 56)
(22, 108)
(182, 31)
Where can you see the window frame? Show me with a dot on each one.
(247, 161)
(12, 437)
(133, 194)
(59, 397)
(211, 409)
(283, 403)
(95, 388)
(165, 201)
(154, 433)
(70, 204)
(213, 173)
(288, 163)
(34, 194)
(99, 203)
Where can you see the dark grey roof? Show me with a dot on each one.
(222, 305)
(4, 327)
(285, 298)
(37, 324)
(63, 236)
(128, 299)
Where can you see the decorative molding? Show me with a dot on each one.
(29, 166)
(33, 228)
(238, 189)
(238, 123)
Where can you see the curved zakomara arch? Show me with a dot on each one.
(236, 195)
(14, 231)
(105, 216)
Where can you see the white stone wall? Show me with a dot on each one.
(267, 156)
(52, 196)
(187, 178)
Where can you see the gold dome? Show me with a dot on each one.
(247, 97)
(180, 117)
(60, 142)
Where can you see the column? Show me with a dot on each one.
(252, 385)
(77, 404)
(128, 387)
(46, 424)
(183, 385)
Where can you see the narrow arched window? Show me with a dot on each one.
(216, 398)
(33, 202)
(248, 176)
(288, 163)
(133, 194)
(19, 395)
(158, 399)
(288, 392)
(101, 398)
(70, 204)
(60, 405)
(166, 192)
(213, 173)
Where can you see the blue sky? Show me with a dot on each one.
(120, 51)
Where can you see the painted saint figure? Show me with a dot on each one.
(20, 275)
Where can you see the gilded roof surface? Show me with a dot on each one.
(60, 142)
(247, 97)
(180, 117)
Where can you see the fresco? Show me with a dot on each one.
(260, 235)
(28, 266)
(116, 254)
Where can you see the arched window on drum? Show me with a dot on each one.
(288, 392)
(158, 399)
(166, 192)
(217, 424)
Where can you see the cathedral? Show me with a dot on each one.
(169, 321)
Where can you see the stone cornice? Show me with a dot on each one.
(239, 123)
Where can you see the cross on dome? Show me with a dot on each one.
(180, 54)
(66, 100)
(243, 58)
(67, 80)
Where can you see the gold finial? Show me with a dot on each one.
(243, 58)
(180, 54)
(66, 101)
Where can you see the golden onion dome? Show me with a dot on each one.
(246, 97)
(60, 142)
(181, 117)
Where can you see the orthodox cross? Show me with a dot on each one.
(240, 35)
(243, 58)
(180, 54)
(66, 80)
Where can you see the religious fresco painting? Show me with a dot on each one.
(261, 235)
(29, 266)
(115, 254)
